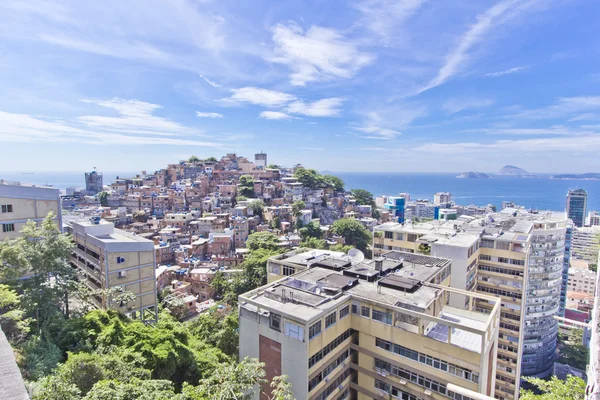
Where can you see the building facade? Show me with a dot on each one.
(577, 206)
(93, 183)
(21, 203)
(378, 329)
(111, 258)
(515, 255)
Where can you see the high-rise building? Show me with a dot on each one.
(111, 258)
(93, 183)
(566, 265)
(577, 206)
(593, 218)
(260, 160)
(374, 329)
(442, 198)
(21, 203)
(515, 255)
(396, 206)
(585, 242)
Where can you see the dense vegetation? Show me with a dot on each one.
(100, 355)
(311, 179)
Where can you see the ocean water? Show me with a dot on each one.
(537, 192)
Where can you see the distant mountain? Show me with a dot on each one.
(590, 176)
(511, 170)
(473, 175)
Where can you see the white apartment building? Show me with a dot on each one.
(581, 278)
(21, 203)
(585, 243)
(513, 254)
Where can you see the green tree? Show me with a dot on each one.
(262, 240)
(312, 229)
(229, 381)
(309, 178)
(246, 186)
(340, 247)
(210, 159)
(572, 351)
(555, 389)
(276, 223)
(153, 389)
(353, 232)
(273, 166)
(297, 208)
(194, 159)
(257, 207)
(218, 327)
(363, 197)
(40, 253)
(13, 322)
(424, 249)
(40, 357)
(282, 389)
(103, 197)
(314, 243)
(334, 182)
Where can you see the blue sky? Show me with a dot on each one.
(354, 85)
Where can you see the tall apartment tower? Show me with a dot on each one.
(377, 329)
(260, 160)
(577, 206)
(107, 257)
(515, 255)
(396, 206)
(93, 182)
(21, 203)
(442, 198)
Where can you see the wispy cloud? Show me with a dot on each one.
(275, 115)
(211, 83)
(213, 115)
(505, 72)
(455, 105)
(258, 96)
(135, 126)
(549, 131)
(564, 107)
(317, 54)
(500, 13)
(320, 108)
(386, 123)
(376, 132)
(384, 16)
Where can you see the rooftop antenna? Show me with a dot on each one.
(356, 256)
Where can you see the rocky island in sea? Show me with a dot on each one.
(473, 175)
(511, 170)
(588, 176)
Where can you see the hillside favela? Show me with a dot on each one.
(299, 200)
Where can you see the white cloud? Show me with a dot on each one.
(317, 54)
(208, 115)
(562, 145)
(211, 83)
(321, 108)
(455, 105)
(500, 13)
(384, 16)
(135, 126)
(563, 108)
(277, 115)
(552, 130)
(505, 72)
(258, 96)
(376, 132)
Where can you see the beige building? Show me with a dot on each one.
(500, 254)
(21, 203)
(581, 278)
(107, 257)
(374, 330)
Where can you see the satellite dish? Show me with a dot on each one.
(356, 256)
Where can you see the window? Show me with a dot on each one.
(485, 257)
(275, 322)
(6, 208)
(385, 317)
(330, 320)
(389, 235)
(344, 312)
(8, 227)
(399, 236)
(294, 331)
(487, 243)
(121, 274)
(275, 269)
(287, 270)
(365, 312)
(318, 356)
(314, 330)
(355, 309)
(503, 245)
(120, 260)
